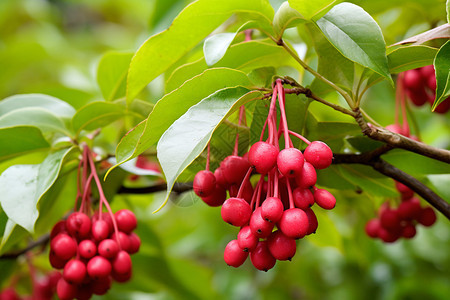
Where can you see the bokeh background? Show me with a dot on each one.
(54, 47)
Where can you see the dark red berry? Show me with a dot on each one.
(100, 230)
(236, 211)
(126, 220)
(233, 255)
(272, 209)
(234, 169)
(312, 221)
(135, 243)
(101, 285)
(65, 290)
(261, 257)
(294, 223)
(372, 227)
(217, 198)
(122, 239)
(98, 267)
(427, 216)
(55, 261)
(260, 227)
(410, 209)
(108, 248)
(74, 271)
(121, 264)
(389, 219)
(78, 224)
(280, 246)
(409, 231)
(64, 246)
(247, 240)
(308, 177)
(204, 183)
(387, 235)
(324, 199)
(87, 249)
(59, 227)
(318, 154)
(290, 162)
(303, 198)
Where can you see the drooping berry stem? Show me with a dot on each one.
(246, 178)
(299, 136)
(86, 194)
(272, 111)
(283, 114)
(275, 185)
(257, 191)
(291, 198)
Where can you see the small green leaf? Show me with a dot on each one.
(245, 56)
(174, 105)
(36, 116)
(357, 36)
(331, 177)
(22, 186)
(286, 17)
(54, 105)
(112, 74)
(410, 57)
(189, 28)
(193, 130)
(442, 68)
(97, 114)
(20, 140)
(312, 9)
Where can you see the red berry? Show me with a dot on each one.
(126, 220)
(233, 255)
(303, 198)
(108, 248)
(236, 211)
(204, 183)
(217, 197)
(84, 291)
(247, 240)
(388, 236)
(427, 71)
(409, 231)
(64, 246)
(412, 79)
(260, 227)
(87, 249)
(55, 261)
(100, 230)
(290, 162)
(418, 96)
(263, 156)
(372, 227)
(74, 271)
(406, 192)
(65, 290)
(318, 154)
(261, 257)
(122, 264)
(312, 221)
(122, 239)
(294, 223)
(59, 227)
(9, 294)
(135, 243)
(410, 209)
(234, 168)
(308, 177)
(389, 219)
(272, 209)
(427, 216)
(324, 199)
(98, 267)
(220, 179)
(280, 246)
(101, 285)
(78, 224)
(443, 107)
(121, 277)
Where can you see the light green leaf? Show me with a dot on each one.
(174, 105)
(442, 68)
(97, 114)
(54, 105)
(422, 165)
(112, 74)
(312, 9)
(22, 186)
(189, 28)
(410, 57)
(193, 130)
(12, 235)
(20, 140)
(357, 36)
(327, 234)
(245, 56)
(441, 183)
(36, 116)
(286, 17)
(448, 11)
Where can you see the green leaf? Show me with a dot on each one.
(327, 234)
(369, 180)
(331, 177)
(410, 57)
(357, 36)
(189, 28)
(174, 105)
(422, 165)
(448, 11)
(41, 118)
(312, 9)
(12, 235)
(286, 17)
(442, 68)
(112, 74)
(441, 184)
(97, 114)
(22, 186)
(193, 130)
(245, 56)
(20, 140)
(54, 105)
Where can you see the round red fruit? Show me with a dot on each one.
(261, 257)
(272, 209)
(247, 240)
(308, 177)
(234, 169)
(122, 264)
(294, 223)
(126, 220)
(319, 155)
(233, 255)
(427, 216)
(263, 156)
(98, 267)
(236, 211)
(74, 271)
(372, 227)
(280, 246)
(290, 162)
(204, 183)
(324, 199)
(63, 246)
(303, 198)
(78, 224)
(87, 249)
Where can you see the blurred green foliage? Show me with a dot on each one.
(54, 47)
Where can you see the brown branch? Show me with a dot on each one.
(39, 242)
(177, 188)
(372, 158)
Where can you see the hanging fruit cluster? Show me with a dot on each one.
(394, 223)
(92, 248)
(276, 211)
(420, 87)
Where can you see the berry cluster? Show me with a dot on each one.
(44, 288)
(276, 211)
(394, 223)
(92, 249)
(420, 87)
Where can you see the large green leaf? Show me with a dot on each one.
(174, 105)
(193, 130)
(97, 114)
(442, 67)
(190, 27)
(357, 36)
(20, 140)
(44, 119)
(312, 9)
(327, 234)
(56, 106)
(12, 235)
(245, 56)
(286, 17)
(22, 186)
(410, 57)
(112, 74)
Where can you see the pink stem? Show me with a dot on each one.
(283, 114)
(244, 182)
(299, 136)
(291, 198)
(257, 191)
